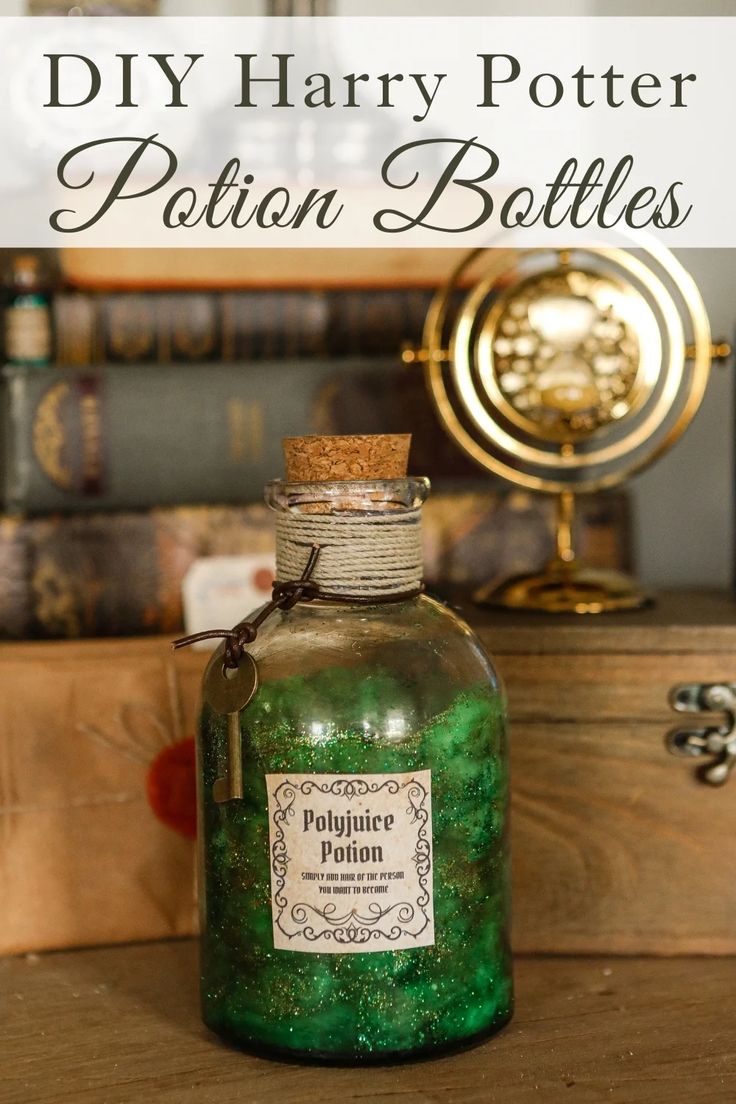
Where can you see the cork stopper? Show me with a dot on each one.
(344, 459)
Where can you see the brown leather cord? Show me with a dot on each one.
(285, 596)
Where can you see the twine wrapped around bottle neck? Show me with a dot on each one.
(356, 541)
(366, 555)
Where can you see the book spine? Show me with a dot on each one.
(144, 435)
(115, 574)
(193, 327)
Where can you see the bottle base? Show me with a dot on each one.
(384, 1058)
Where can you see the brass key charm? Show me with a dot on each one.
(228, 691)
(231, 677)
(231, 785)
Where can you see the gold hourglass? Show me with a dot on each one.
(567, 371)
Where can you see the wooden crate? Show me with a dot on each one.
(617, 846)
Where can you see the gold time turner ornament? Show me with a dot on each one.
(567, 371)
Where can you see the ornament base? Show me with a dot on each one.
(566, 588)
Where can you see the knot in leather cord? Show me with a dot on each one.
(284, 596)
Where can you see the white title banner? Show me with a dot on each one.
(366, 132)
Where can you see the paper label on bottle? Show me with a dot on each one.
(351, 861)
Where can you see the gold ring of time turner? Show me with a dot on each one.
(567, 371)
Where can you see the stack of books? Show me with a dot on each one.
(147, 442)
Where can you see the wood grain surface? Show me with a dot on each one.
(684, 621)
(616, 847)
(121, 1026)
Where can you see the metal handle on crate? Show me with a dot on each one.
(717, 742)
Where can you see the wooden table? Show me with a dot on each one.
(121, 1026)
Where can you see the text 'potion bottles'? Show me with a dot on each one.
(353, 787)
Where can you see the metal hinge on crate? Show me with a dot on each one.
(717, 741)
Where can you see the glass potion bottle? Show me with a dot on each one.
(353, 787)
(28, 338)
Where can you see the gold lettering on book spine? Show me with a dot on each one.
(246, 433)
(91, 438)
(132, 328)
(58, 604)
(49, 439)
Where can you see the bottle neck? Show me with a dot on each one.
(362, 557)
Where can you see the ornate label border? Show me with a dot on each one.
(399, 924)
